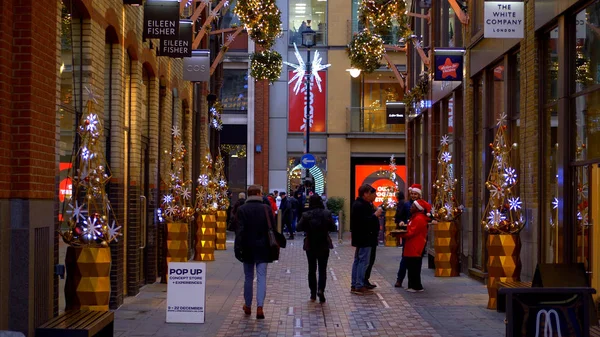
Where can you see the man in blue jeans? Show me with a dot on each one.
(363, 223)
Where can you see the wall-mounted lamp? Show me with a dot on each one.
(354, 72)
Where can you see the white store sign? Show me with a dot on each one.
(186, 292)
(504, 20)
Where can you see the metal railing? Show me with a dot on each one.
(371, 120)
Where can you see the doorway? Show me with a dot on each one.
(143, 209)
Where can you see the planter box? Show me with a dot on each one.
(221, 236)
(446, 249)
(504, 263)
(205, 237)
(88, 278)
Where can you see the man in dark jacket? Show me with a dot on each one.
(363, 223)
(287, 214)
(252, 246)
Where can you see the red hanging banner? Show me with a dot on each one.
(297, 105)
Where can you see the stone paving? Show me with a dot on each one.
(448, 307)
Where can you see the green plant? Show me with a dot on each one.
(335, 204)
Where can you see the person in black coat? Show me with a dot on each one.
(364, 223)
(287, 214)
(317, 223)
(252, 246)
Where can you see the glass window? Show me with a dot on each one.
(587, 47)
(296, 173)
(308, 13)
(478, 175)
(234, 93)
(477, 20)
(380, 87)
(587, 112)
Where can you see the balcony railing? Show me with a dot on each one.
(320, 38)
(371, 120)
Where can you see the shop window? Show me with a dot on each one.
(234, 92)
(450, 28)
(376, 90)
(307, 13)
(478, 174)
(477, 17)
(587, 47)
(552, 252)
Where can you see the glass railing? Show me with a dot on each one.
(371, 120)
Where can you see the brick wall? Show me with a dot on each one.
(261, 134)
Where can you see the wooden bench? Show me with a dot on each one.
(79, 323)
(501, 302)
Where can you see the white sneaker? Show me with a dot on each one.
(415, 291)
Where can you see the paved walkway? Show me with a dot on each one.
(448, 307)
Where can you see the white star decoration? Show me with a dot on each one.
(91, 95)
(92, 120)
(92, 227)
(78, 211)
(186, 193)
(446, 157)
(222, 183)
(510, 175)
(203, 180)
(555, 203)
(176, 131)
(113, 232)
(230, 38)
(514, 203)
(495, 217)
(300, 70)
(502, 119)
(167, 198)
(445, 140)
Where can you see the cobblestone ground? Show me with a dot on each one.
(448, 307)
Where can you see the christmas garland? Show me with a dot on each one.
(266, 65)
(215, 116)
(417, 94)
(262, 19)
(378, 13)
(365, 51)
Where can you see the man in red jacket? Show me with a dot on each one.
(415, 239)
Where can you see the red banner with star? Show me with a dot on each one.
(448, 66)
(297, 105)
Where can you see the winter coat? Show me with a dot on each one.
(364, 225)
(273, 204)
(251, 236)
(234, 211)
(403, 212)
(416, 235)
(287, 213)
(317, 224)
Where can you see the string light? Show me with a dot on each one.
(266, 65)
(365, 51)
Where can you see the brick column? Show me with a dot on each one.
(27, 160)
(261, 134)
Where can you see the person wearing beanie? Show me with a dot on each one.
(415, 240)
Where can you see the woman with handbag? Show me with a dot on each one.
(256, 245)
(317, 223)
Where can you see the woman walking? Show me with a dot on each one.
(317, 223)
(252, 247)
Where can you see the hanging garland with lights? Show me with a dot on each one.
(365, 51)
(379, 14)
(262, 20)
(215, 116)
(266, 65)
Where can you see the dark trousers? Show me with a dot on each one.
(371, 263)
(317, 257)
(413, 266)
(401, 271)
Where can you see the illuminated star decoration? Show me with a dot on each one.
(92, 123)
(495, 217)
(78, 211)
(226, 4)
(86, 153)
(203, 180)
(92, 227)
(300, 70)
(167, 198)
(510, 175)
(91, 95)
(555, 203)
(514, 203)
(222, 183)
(170, 210)
(113, 231)
(176, 131)
(186, 193)
(446, 157)
(445, 140)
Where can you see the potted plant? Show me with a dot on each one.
(336, 206)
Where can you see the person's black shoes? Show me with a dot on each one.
(398, 284)
(313, 297)
(370, 286)
(321, 296)
(291, 237)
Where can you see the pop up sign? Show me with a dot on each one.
(186, 292)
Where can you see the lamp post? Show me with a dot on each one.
(308, 41)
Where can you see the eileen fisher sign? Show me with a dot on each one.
(186, 292)
(504, 20)
(161, 20)
(181, 46)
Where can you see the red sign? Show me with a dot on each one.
(297, 105)
(449, 68)
(378, 177)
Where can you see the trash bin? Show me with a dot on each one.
(547, 311)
